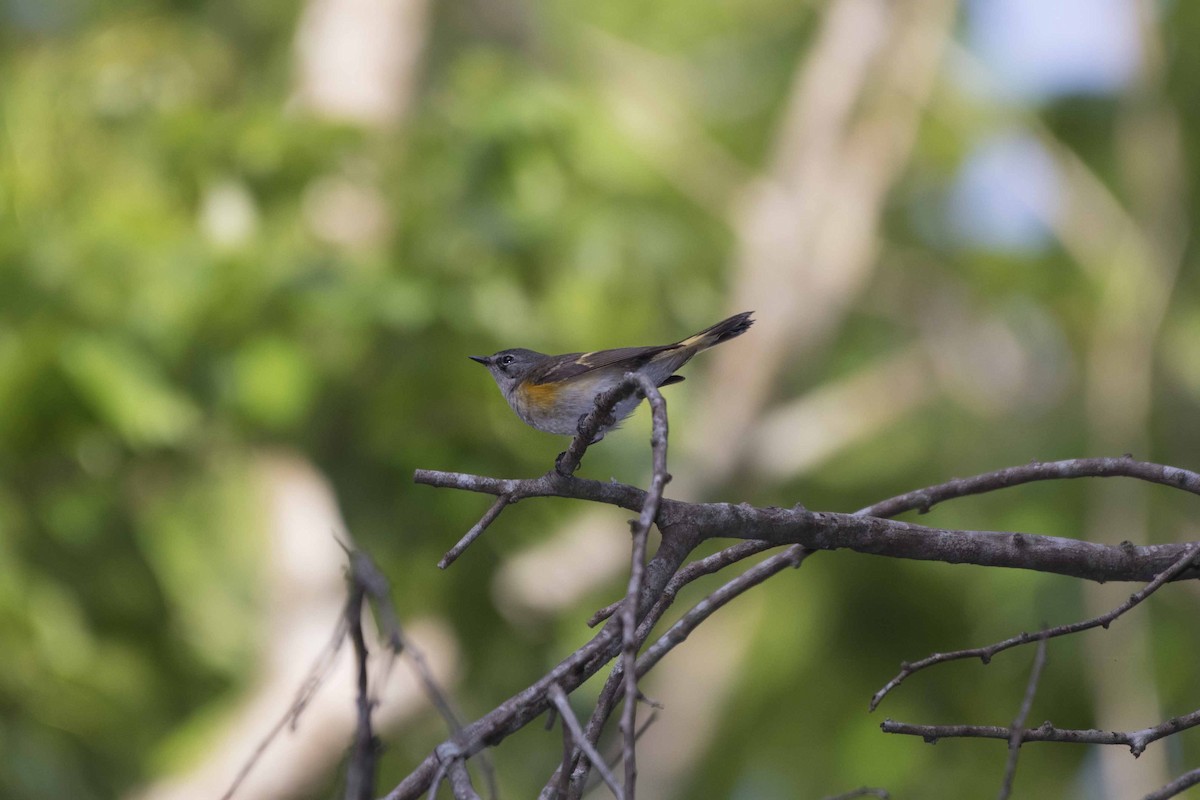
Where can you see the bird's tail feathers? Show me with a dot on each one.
(723, 331)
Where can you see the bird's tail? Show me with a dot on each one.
(723, 331)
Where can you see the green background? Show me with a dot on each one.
(152, 353)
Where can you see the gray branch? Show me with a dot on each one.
(884, 537)
(1136, 741)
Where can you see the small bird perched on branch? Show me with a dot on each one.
(554, 393)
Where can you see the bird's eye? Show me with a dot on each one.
(504, 362)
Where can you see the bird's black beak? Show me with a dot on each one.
(485, 360)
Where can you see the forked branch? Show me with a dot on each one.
(653, 585)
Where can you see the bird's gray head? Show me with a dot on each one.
(508, 367)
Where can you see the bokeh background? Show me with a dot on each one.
(246, 247)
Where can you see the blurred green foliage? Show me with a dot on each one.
(170, 307)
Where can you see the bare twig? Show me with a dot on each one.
(651, 718)
(697, 569)
(1184, 781)
(792, 557)
(476, 530)
(460, 782)
(376, 587)
(559, 784)
(676, 634)
(360, 775)
(629, 608)
(370, 583)
(365, 583)
(442, 770)
(608, 694)
(317, 674)
(1185, 561)
(923, 500)
(514, 713)
(1014, 739)
(559, 698)
(1136, 741)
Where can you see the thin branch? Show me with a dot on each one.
(376, 586)
(367, 576)
(518, 710)
(985, 654)
(697, 569)
(792, 557)
(476, 530)
(1136, 741)
(556, 789)
(360, 775)
(1014, 739)
(317, 674)
(922, 500)
(1185, 781)
(629, 608)
(651, 718)
(608, 694)
(559, 698)
(442, 770)
(460, 782)
(633, 634)
(677, 633)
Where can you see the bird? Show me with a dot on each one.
(554, 393)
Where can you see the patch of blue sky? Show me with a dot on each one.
(1007, 192)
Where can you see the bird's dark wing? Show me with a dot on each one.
(626, 359)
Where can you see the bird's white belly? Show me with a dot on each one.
(575, 399)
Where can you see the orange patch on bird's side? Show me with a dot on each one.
(541, 395)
